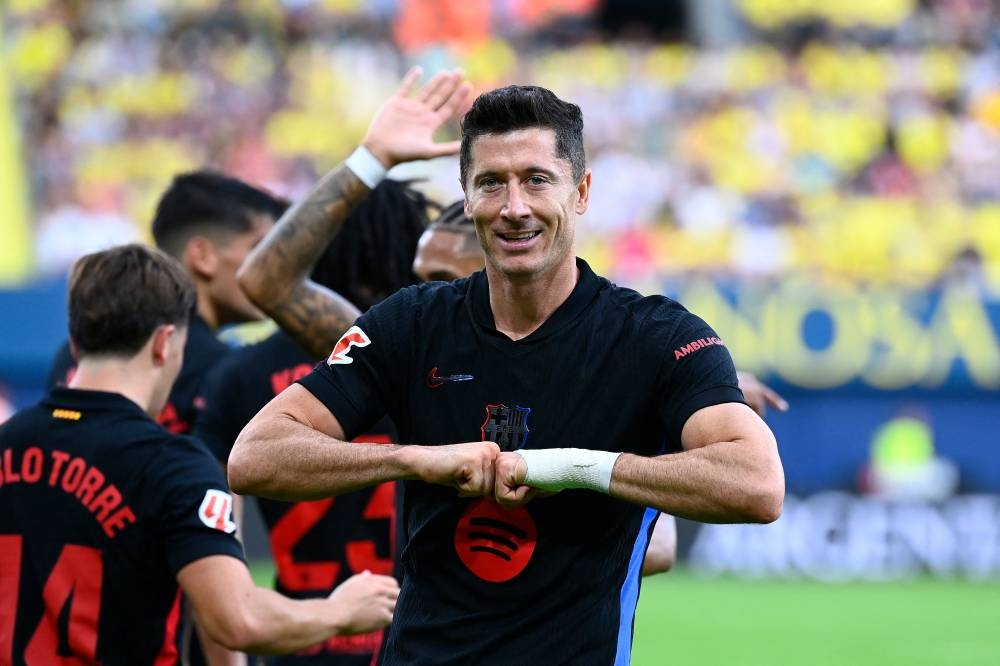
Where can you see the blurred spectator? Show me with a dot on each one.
(903, 464)
(887, 175)
(88, 222)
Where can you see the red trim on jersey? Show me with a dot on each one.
(168, 653)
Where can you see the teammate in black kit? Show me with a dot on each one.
(317, 545)
(103, 513)
(558, 405)
(208, 222)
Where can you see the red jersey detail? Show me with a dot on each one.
(692, 347)
(293, 526)
(285, 377)
(171, 419)
(168, 652)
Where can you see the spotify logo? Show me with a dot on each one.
(494, 543)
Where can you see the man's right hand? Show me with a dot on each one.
(403, 128)
(366, 601)
(233, 612)
(468, 467)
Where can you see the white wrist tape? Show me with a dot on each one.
(366, 167)
(562, 469)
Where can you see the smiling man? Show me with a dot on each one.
(572, 417)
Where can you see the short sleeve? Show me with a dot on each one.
(193, 507)
(696, 370)
(224, 410)
(363, 376)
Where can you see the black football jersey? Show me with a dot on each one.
(555, 581)
(202, 350)
(100, 508)
(316, 545)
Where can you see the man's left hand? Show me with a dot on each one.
(403, 128)
(510, 472)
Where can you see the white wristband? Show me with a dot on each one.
(562, 469)
(366, 167)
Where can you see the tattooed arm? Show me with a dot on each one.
(275, 275)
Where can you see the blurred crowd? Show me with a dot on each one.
(852, 140)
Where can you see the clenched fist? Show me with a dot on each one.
(365, 601)
(468, 467)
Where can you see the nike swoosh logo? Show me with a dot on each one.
(434, 380)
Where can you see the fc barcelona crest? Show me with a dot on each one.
(507, 426)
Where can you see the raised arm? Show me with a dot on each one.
(275, 275)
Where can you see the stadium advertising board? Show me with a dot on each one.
(822, 335)
(838, 536)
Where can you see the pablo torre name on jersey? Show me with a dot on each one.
(76, 477)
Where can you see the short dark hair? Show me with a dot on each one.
(205, 202)
(118, 297)
(453, 218)
(371, 257)
(521, 107)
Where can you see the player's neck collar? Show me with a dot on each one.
(90, 399)
(579, 300)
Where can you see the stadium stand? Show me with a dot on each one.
(854, 140)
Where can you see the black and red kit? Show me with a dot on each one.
(555, 581)
(316, 545)
(100, 508)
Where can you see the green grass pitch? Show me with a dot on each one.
(684, 619)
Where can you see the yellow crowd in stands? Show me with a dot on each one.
(783, 147)
(877, 13)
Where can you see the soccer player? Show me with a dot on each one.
(556, 404)
(103, 514)
(449, 250)
(209, 222)
(446, 250)
(316, 545)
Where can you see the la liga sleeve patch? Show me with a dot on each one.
(216, 511)
(354, 337)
